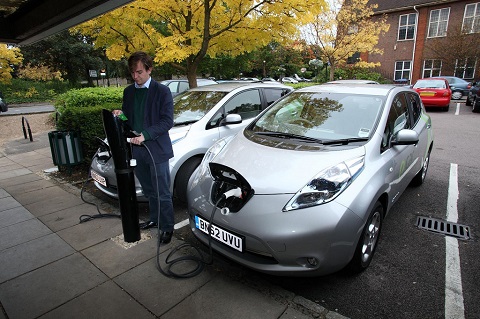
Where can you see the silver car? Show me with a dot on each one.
(304, 189)
(202, 116)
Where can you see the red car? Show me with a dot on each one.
(434, 92)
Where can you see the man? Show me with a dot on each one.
(148, 106)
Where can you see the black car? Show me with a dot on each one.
(473, 97)
(3, 104)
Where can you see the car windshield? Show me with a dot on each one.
(429, 84)
(321, 116)
(191, 106)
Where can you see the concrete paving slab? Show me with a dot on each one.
(21, 233)
(67, 217)
(3, 193)
(87, 234)
(39, 195)
(9, 165)
(114, 259)
(49, 287)
(50, 204)
(105, 301)
(31, 255)
(14, 215)
(19, 180)
(223, 297)
(19, 189)
(14, 173)
(158, 293)
(7, 203)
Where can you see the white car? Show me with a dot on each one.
(304, 189)
(202, 116)
(288, 80)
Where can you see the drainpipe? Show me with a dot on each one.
(414, 43)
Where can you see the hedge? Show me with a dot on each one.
(80, 110)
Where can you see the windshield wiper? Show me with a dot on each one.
(346, 141)
(291, 136)
(185, 123)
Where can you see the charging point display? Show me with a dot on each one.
(122, 155)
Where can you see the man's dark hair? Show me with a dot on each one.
(140, 56)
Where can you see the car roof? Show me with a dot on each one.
(230, 86)
(354, 88)
(353, 81)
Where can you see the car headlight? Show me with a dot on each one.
(326, 185)
(213, 151)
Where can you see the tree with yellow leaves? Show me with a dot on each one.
(182, 33)
(344, 28)
(8, 56)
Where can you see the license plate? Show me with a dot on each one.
(99, 179)
(220, 234)
(427, 93)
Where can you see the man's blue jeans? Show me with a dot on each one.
(153, 176)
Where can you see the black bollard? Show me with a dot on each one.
(121, 154)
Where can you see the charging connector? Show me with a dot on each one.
(236, 192)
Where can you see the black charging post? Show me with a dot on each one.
(122, 155)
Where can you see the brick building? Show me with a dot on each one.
(425, 39)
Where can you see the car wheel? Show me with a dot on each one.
(456, 95)
(183, 175)
(476, 106)
(367, 243)
(468, 102)
(446, 108)
(420, 177)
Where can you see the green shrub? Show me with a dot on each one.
(80, 110)
(28, 91)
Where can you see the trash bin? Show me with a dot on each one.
(66, 148)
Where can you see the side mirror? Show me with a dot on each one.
(232, 119)
(405, 137)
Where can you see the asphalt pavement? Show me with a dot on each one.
(53, 266)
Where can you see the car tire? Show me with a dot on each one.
(422, 174)
(183, 175)
(367, 244)
(476, 106)
(468, 102)
(456, 95)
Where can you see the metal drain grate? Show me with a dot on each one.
(443, 227)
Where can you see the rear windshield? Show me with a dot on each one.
(430, 84)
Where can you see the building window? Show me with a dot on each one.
(406, 26)
(432, 68)
(465, 68)
(471, 18)
(438, 23)
(402, 70)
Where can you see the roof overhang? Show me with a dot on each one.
(27, 21)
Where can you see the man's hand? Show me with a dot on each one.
(137, 140)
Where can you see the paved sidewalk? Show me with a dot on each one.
(54, 267)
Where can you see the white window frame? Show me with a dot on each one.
(403, 70)
(431, 68)
(471, 20)
(437, 26)
(407, 26)
(465, 69)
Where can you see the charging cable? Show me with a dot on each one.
(198, 257)
(85, 217)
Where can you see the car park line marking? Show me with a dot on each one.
(181, 224)
(454, 307)
(457, 111)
